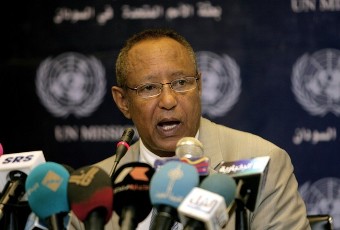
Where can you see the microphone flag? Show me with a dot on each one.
(251, 172)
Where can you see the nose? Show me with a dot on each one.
(168, 98)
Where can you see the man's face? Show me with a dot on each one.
(162, 120)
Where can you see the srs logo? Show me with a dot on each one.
(16, 159)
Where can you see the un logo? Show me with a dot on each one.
(71, 83)
(323, 197)
(316, 82)
(221, 83)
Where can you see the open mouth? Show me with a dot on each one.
(168, 125)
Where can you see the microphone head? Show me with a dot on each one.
(131, 188)
(127, 135)
(189, 147)
(46, 189)
(190, 151)
(172, 182)
(90, 188)
(222, 185)
(123, 145)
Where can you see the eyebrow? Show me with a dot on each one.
(172, 76)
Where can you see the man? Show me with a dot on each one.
(159, 87)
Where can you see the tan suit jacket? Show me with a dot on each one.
(279, 204)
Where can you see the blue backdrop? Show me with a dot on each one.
(269, 67)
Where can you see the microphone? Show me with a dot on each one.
(205, 207)
(168, 187)
(249, 174)
(14, 169)
(90, 196)
(46, 189)
(190, 151)
(189, 147)
(122, 147)
(34, 222)
(131, 188)
(68, 168)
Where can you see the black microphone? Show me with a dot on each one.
(122, 147)
(68, 168)
(14, 169)
(90, 196)
(131, 188)
(250, 176)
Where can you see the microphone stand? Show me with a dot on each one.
(121, 150)
(95, 220)
(165, 218)
(127, 219)
(11, 220)
(113, 169)
(241, 222)
(55, 221)
(241, 216)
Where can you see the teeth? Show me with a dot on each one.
(168, 127)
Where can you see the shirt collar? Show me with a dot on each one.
(146, 156)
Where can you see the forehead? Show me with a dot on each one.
(158, 53)
(163, 44)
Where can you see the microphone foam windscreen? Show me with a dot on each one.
(131, 188)
(46, 189)
(172, 182)
(189, 147)
(221, 184)
(90, 188)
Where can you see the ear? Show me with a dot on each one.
(121, 101)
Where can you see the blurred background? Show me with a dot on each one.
(271, 68)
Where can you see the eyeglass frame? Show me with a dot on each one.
(196, 77)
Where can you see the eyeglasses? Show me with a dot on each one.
(180, 85)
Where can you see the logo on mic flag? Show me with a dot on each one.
(251, 173)
(131, 184)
